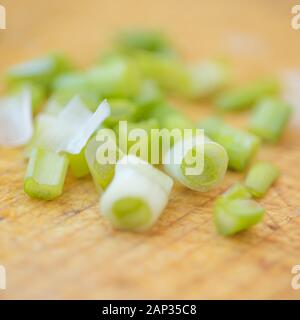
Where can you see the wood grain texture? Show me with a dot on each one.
(64, 249)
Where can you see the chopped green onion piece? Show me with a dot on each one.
(90, 99)
(38, 93)
(16, 127)
(150, 94)
(207, 78)
(40, 71)
(177, 120)
(53, 106)
(146, 125)
(160, 111)
(78, 164)
(71, 128)
(269, 119)
(213, 165)
(116, 78)
(244, 97)
(260, 178)
(102, 173)
(71, 82)
(233, 216)
(111, 55)
(148, 40)
(60, 99)
(131, 213)
(240, 145)
(45, 175)
(137, 205)
(121, 109)
(169, 72)
(170, 118)
(237, 191)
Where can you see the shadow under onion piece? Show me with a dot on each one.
(137, 195)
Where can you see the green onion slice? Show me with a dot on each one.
(270, 118)
(45, 175)
(201, 167)
(233, 216)
(40, 71)
(245, 96)
(260, 178)
(137, 205)
(70, 130)
(240, 145)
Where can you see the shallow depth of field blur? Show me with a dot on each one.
(75, 255)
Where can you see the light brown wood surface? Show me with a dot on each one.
(65, 249)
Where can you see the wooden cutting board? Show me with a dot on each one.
(65, 249)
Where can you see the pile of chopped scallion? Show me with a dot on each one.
(57, 111)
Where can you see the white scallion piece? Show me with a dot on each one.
(137, 195)
(199, 165)
(70, 130)
(16, 126)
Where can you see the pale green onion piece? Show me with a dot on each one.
(45, 175)
(170, 118)
(71, 82)
(207, 78)
(41, 71)
(137, 195)
(112, 55)
(16, 126)
(240, 145)
(270, 118)
(177, 120)
(38, 93)
(260, 178)
(118, 78)
(150, 94)
(245, 96)
(237, 191)
(169, 72)
(233, 216)
(145, 139)
(78, 164)
(70, 130)
(121, 110)
(59, 100)
(160, 111)
(53, 106)
(102, 173)
(212, 161)
(149, 40)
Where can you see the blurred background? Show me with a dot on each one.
(258, 32)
